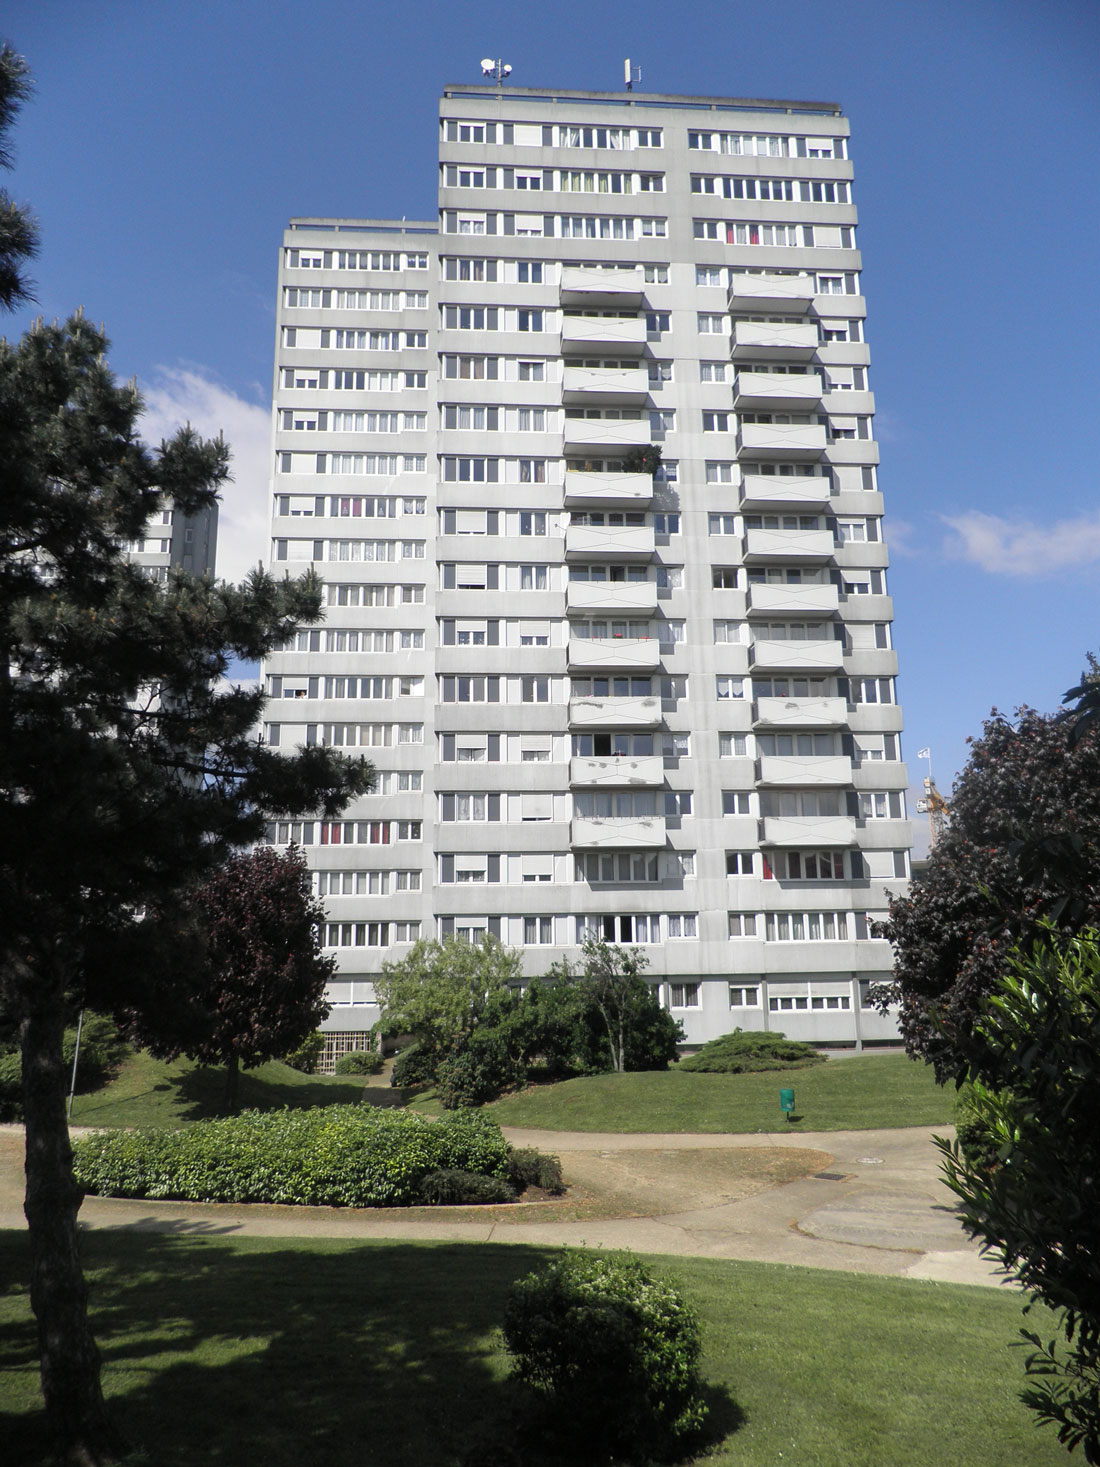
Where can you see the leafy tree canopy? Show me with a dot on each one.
(441, 991)
(1026, 1167)
(259, 991)
(18, 231)
(1022, 846)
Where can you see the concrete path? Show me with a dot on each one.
(875, 1204)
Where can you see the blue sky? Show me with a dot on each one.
(168, 144)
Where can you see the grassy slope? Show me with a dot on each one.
(859, 1093)
(248, 1351)
(150, 1092)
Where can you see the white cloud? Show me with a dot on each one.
(181, 395)
(1021, 547)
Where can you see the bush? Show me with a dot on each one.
(613, 1350)
(306, 1057)
(102, 1050)
(451, 1188)
(360, 1062)
(414, 1065)
(335, 1156)
(749, 1050)
(530, 1168)
(480, 1071)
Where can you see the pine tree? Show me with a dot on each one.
(18, 231)
(127, 770)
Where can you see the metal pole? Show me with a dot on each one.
(76, 1057)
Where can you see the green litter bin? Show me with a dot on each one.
(786, 1103)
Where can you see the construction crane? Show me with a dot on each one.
(933, 805)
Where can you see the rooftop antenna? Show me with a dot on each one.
(631, 74)
(498, 70)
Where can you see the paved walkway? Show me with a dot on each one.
(875, 1204)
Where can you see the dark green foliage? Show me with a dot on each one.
(480, 1070)
(1022, 846)
(452, 1188)
(747, 1050)
(18, 231)
(613, 1350)
(414, 1065)
(645, 460)
(336, 1156)
(102, 1050)
(528, 1167)
(1026, 1165)
(360, 1062)
(305, 1057)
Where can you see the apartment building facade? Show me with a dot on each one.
(644, 697)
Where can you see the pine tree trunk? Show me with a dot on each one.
(232, 1086)
(68, 1355)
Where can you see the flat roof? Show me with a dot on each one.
(624, 98)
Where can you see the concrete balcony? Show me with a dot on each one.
(767, 339)
(780, 491)
(782, 440)
(791, 390)
(612, 654)
(789, 545)
(617, 713)
(788, 713)
(621, 835)
(771, 293)
(793, 771)
(820, 830)
(769, 600)
(787, 656)
(581, 287)
(610, 435)
(614, 491)
(620, 773)
(609, 542)
(605, 384)
(624, 335)
(616, 598)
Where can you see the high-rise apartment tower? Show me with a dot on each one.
(647, 696)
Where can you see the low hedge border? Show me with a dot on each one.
(335, 1156)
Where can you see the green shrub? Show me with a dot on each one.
(613, 1351)
(306, 1057)
(102, 1050)
(11, 1086)
(530, 1168)
(450, 1188)
(360, 1062)
(749, 1050)
(414, 1065)
(335, 1156)
(480, 1071)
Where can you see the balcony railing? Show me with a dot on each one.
(610, 712)
(771, 292)
(607, 654)
(581, 287)
(623, 334)
(592, 490)
(614, 834)
(611, 542)
(613, 597)
(605, 384)
(612, 435)
(619, 772)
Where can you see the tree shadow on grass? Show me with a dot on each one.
(241, 1351)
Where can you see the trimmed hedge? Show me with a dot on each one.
(749, 1050)
(360, 1062)
(335, 1156)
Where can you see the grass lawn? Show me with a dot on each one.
(151, 1092)
(250, 1351)
(863, 1092)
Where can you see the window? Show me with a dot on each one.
(538, 931)
(532, 371)
(708, 275)
(739, 863)
(529, 320)
(619, 867)
(736, 802)
(710, 324)
(532, 578)
(535, 689)
(655, 274)
(529, 271)
(662, 420)
(713, 372)
(881, 805)
(741, 924)
(806, 926)
(727, 631)
(719, 473)
(659, 373)
(805, 866)
(532, 522)
(677, 802)
(684, 995)
(677, 745)
(716, 422)
(729, 687)
(681, 924)
(732, 745)
(744, 998)
(648, 137)
(657, 322)
(668, 577)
